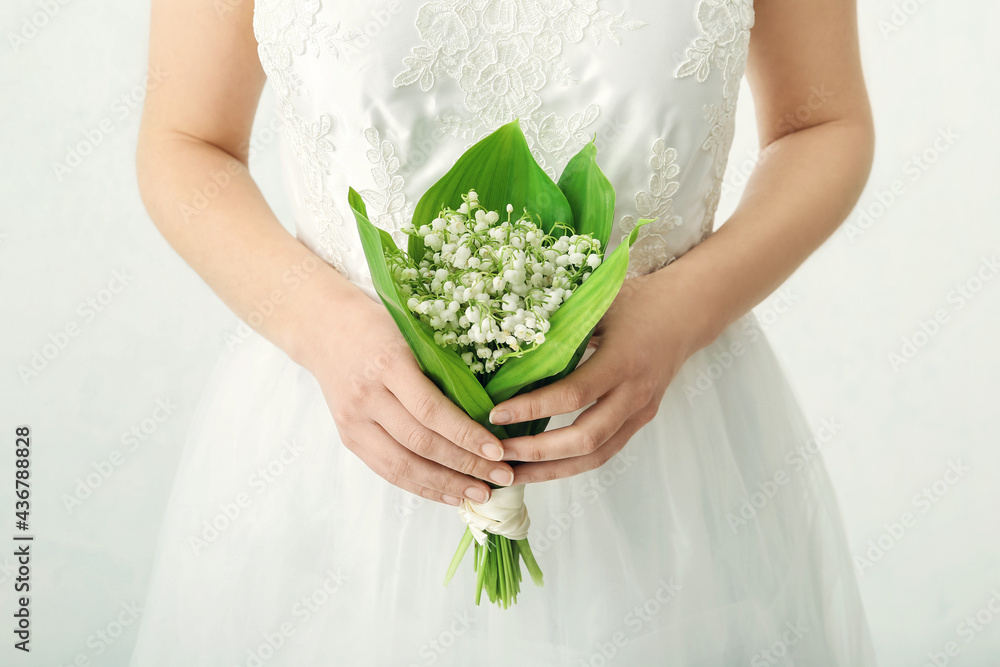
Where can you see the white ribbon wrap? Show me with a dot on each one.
(503, 514)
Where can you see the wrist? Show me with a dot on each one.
(697, 318)
(311, 339)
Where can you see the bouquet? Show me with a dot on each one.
(503, 280)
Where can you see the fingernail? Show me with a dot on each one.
(477, 494)
(499, 417)
(492, 452)
(451, 500)
(502, 477)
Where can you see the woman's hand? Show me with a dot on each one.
(808, 179)
(394, 418)
(197, 124)
(640, 344)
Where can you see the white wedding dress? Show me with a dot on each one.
(713, 539)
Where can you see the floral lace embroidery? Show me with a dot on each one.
(386, 202)
(723, 45)
(651, 250)
(502, 53)
(285, 29)
(288, 28)
(311, 144)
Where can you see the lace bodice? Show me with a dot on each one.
(384, 97)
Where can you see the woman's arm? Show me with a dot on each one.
(815, 128)
(810, 178)
(192, 142)
(192, 167)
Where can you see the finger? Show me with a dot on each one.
(395, 463)
(591, 430)
(430, 407)
(422, 441)
(577, 390)
(546, 471)
(429, 494)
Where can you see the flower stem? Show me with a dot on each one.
(480, 570)
(530, 562)
(463, 547)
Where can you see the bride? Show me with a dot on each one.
(679, 512)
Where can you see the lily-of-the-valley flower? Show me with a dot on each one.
(488, 288)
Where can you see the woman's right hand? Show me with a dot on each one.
(196, 124)
(394, 418)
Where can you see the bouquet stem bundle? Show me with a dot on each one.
(497, 567)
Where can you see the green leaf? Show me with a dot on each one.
(590, 195)
(571, 325)
(502, 170)
(441, 365)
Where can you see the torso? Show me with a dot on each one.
(384, 97)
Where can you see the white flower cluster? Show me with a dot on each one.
(488, 288)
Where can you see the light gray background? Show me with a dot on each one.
(63, 239)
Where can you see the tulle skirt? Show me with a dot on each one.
(713, 538)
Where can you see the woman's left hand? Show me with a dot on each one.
(641, 343)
